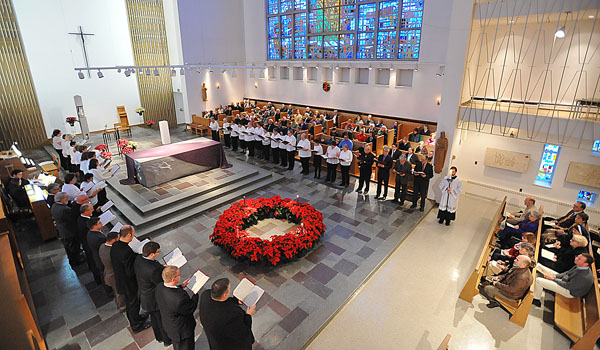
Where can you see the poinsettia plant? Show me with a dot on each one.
(105, 155)
(150, 124)
(229, 232)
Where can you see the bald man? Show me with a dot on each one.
(518, 217)
(511, 286)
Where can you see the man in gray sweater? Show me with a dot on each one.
(574, 283)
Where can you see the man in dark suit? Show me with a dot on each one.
(109, 274)
(566, 220)
(85, 213)
(148, 272)
(67, 233)
(402, 169)
(122, 258)
(176, 309)
(365, 163)
(94, 239)
(384, 164)
(395, 152)
(226, 324)
(52, 189)
(411, 157)
(423, 172)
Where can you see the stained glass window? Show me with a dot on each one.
(547, 165)
(344, 29)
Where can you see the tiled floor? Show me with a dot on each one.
(300, 296)
(266, 228)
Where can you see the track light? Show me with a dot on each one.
(416, 69)
(337, 67)
(370, 67)
(173, 73)
(148, 71)
(560, 33)
(80, 75)
(127, 73)
(210, 70)
(223, 71)
(440, 71)
(155, 72)
(100, 75)
(141, 71)
(118, 70)
(182, 71)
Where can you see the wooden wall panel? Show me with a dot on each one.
(149, 43)
(584, 174)
(507, 160)
(20, 115)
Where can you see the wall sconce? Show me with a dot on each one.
(218, 85)
(256, 85)
(439, 101)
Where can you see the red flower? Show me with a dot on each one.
(101, 148)
(229, 231)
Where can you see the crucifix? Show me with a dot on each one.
(82, 35)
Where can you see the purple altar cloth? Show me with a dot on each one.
(202, 152)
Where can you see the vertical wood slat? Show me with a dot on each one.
(149, 43)
(20, 115)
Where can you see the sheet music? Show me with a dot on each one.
(106, 206)
(137, 246)
(197, 280)
(510, 225)
(114, 169)
(175, 258)
(100, 185)
(248, 292)
(548, 222)
(107, 217)
(117, 227)
(548, 254)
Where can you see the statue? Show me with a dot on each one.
(204, 95)
(441, 148)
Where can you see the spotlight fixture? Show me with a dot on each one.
(416, 69)
(141, 71)
(182, 71)
(118, 70)
(155, 72)
(80, 75)
(148, 71)
(100, 75)
(441, 70)
(223, 71)
(173, 72)
(337, 67)
(560, 33)
(370, 67)
(127, 73)
(210, 70)
(391, 68)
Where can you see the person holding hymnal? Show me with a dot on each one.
(291, 149)
(283, 149)
(266, 143)
(318, 157)
(333, 154)
(384, 164)
(275, 145)
(226, 324)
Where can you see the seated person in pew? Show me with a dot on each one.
(552, 234)
(345, 142)
(502, 261)
(359, 126)
(370, 121)
(52, 189)
(518, 217)
(383, 132)
(567, 220)
(563, 259)
(404, 145)
(511, 286)
(379, 124)
(420, 147)
(414, 136)
(431, 140)
(361, 136)
(505, 235)
(411, 157)
(16, 188)
(424, 130)
(574, 283)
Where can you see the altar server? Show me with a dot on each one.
(451, 187)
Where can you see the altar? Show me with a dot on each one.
(161, 164)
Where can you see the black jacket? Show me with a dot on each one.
(227, 326)
(82, 229)
(148, 274)
(365, 161)
(95, 239)
(402, 169)
(388, 162)
(122, 259)
(428, 172)
(177, 311)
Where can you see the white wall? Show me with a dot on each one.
(212, 32)
(52, 55)
(172, 29)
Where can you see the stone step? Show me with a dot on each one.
(146, 229)
(137, 218)
(126, 191)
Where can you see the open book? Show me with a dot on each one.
(175, 257)
(548, 254)
(197, 280)
(117, 227)
(107, 217)
(137, 246)
(548, 222)
(107, 206)
(90, 187)
(248, 292)
(510, 225)
(114, 169)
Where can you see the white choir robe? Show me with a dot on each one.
(449, 201)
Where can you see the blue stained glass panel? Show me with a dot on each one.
(367, 17)
(408, 45)
(412, 14)
(273, 7)
(274, 49)
(388, 15)
(386, 44)
(273, 27)
(315, 47)
(315, 4)
(300, 24)
(287, 48)
(315, 21)
(300, 48)
(346, 46)
(287, 26)
(348, 18)
(286, 5)
(365, 46)
(331, 21)
(300, 4)
(547, 165)
(330, 46)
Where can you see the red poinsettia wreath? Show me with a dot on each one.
(230, 233)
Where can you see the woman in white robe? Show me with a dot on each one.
(451, 187)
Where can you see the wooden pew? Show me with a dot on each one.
(318, 129)
(221, 116)
(471, 287)
(520, 310)
(579, 318)
(329, 125)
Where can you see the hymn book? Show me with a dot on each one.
(175, 258)
(117, 227)
(197, 280)
(137, 246)
(107, 217)
(510, 225)
(548, 254)
(114, 169)
(107, 206)
(247, 292)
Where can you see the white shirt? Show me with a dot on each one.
(333, 154)
(346, 158)
(319, 149)
(71, 190)
(234, 130)
(266, 141)
(94, 199)
(72, 154)
(281, 144)
(291, 147)
(214, 125)
(66, 146)
(225, 130)
(77, 158)
(57, 142)
(275, 144)
(258, 131)
(100, 174)
(304, 144)
(250, 136)
(85, 166)
(241, 130)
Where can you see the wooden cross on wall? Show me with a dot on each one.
(82, 35)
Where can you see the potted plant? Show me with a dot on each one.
(150, 124)
(71, 120)
(140, 111)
